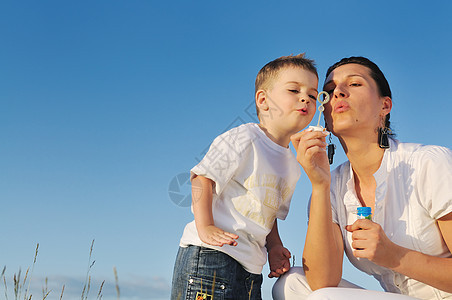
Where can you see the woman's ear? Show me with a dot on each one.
(386, 105)
(261, 100)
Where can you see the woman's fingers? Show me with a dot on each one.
(307, 139)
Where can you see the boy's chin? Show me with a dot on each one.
(300, 128)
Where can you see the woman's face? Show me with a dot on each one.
(355, 106)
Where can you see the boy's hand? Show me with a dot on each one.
(278, 259)
(215, 236)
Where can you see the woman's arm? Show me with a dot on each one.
(323, 250)
(372, 243)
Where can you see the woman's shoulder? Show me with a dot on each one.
(416, 150)
(419, 154)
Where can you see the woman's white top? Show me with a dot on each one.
(414, 190)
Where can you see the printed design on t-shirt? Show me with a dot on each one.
(266, 193)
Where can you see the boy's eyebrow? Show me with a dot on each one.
(293, 81)
(299, 83)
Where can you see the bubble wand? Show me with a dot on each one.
(321, 109)
(331, 147)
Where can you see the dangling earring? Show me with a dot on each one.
(331, 148)
(383, 140)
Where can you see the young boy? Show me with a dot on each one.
(244, 182)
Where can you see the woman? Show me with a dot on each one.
(407, 245)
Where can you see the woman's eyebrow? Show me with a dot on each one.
(348, 76)
(356, 75)
(328, 82)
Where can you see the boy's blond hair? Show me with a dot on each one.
(268, 74)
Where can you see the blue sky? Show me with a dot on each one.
(105, 103)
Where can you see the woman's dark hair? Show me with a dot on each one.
(375, 73)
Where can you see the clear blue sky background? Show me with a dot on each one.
(104, 103)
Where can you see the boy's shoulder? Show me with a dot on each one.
(247, 131)
(240, 138)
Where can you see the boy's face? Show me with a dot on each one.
(291, 100)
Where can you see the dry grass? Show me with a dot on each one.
(21, 287)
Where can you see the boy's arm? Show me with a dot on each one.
(202, 194)
(278, 255)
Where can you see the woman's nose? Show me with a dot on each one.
(339, 92)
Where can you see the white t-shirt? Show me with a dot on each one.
(254, 182)
(414, 189)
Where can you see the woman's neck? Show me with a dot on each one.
(365, 158)
(364, 154)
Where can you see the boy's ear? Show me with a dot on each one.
(261, 100)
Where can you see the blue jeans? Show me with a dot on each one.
(203, 273)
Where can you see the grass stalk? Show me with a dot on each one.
(4, 281)
(16, 280)
(45, 289)
(32, 269)
(62, 292)
(23, 284)
(86, 286)
(99, 295)
(116, 282)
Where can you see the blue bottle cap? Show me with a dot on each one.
(364, 211)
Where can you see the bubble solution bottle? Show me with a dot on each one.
(365, 212)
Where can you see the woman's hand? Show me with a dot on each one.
(370, 241)
(311, 154)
